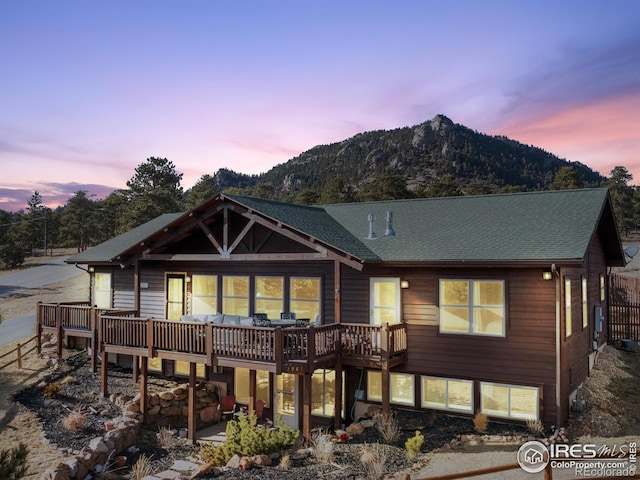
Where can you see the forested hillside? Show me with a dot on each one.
(477, 163)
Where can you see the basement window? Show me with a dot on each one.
(509, 401)
(447, 394)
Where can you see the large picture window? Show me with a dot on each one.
(447, 394)
(474, 307)
(204, 294)
(305, 297)
(385, 301)
(235, 296)
(509, 401)
(241, 380)
(374, 385)
(269, 296)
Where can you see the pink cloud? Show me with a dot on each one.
(601, 134)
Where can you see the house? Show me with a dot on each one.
(494, 304)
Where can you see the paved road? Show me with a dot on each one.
(53, 271)
(12, 330)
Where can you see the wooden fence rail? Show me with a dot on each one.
(19, 352)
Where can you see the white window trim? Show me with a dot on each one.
(471, 306)
(509, 387)
(393, 280)
(447, 408)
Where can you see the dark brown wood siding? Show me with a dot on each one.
(525, 356)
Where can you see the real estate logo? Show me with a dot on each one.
(533, 456)
(584, 460)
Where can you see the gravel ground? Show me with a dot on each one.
(80, 392)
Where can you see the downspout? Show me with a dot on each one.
(558, 341)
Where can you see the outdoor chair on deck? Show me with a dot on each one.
(228, 404)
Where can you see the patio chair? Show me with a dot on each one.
(228, 403)
(287, 316)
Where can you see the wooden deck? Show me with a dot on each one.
(275, 349)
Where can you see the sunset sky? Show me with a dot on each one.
(90, 89)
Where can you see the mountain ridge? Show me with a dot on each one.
(419, 154)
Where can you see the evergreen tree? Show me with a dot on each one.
(444, 186)
(565, 179)
(76, 221)
(384, 187)
(153, 190)
(622, 198)
(204, 189)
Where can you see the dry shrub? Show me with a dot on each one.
(285, 462)
(388, 426)
(535, 427)
(481, 422)
(323, 446)
(67, 380)
(373, 458)
(164, 437)
(51, 390)
(74, 422)
(142, 467)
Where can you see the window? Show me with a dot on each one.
(204, 294)
(241, 376)
(269, 296)
(102, 290)
(235, 296)
(509, 401)
(447, 394)
(567, 306)
(472, 306)
(305, 297)
(402, 388)
(374, 386)
(323, 393)
(585, 304)
(602, 288)
(385, 300)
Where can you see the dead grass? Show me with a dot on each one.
(17, 424)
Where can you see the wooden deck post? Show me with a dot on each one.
(104, 374)
(337, 315)
(143, 390)
(252, 390)
(384, 363)
(277, 349)
(59, 330)
(39, 328)
(136, 368)
(306, 406)
(94, 339)
(337, 417)
(191, 430)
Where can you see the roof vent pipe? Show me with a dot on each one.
(389, 230)
(372, 221)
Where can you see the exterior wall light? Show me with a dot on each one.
(404, 284)
(547, 275)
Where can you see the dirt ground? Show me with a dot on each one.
(17, 424)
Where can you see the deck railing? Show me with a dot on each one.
(299, 347)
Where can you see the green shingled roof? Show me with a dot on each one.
(520, 227)
(110, 249)
(538, 226)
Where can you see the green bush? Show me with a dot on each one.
(13, 462)
(413, 445)
(246, 438)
